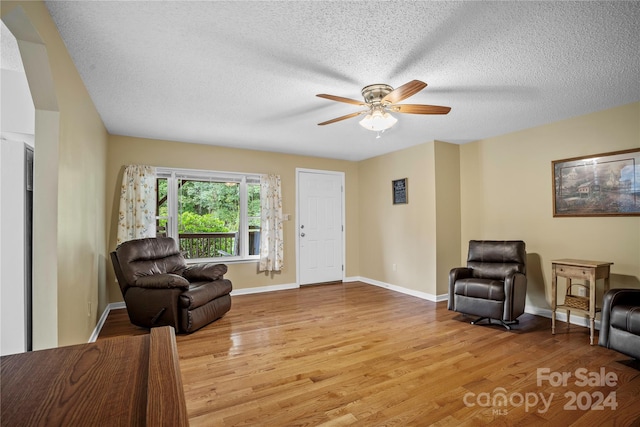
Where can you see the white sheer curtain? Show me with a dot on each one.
(271, 246)
(137, 214)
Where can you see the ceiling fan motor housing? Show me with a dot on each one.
(373, 94)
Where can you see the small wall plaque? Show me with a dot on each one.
(400, 195)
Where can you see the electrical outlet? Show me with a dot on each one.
(88, 308)
(395, 267)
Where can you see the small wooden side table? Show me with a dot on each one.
(589, 271)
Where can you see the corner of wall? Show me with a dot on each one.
(447, 178)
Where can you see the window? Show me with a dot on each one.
(211, 214)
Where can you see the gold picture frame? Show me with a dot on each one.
(606, 184)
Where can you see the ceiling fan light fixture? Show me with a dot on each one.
(379, 99)
(378, 120)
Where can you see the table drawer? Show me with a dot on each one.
(572, 271)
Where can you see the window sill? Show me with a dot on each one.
(222, 260)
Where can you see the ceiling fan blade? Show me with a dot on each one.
(348, 116)
(340, 99)
(419, 109)
(404, 91)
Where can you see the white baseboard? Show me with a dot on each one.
(260, 289)
(121, 304)
(561, 315)
(413, 293)
(103, 318)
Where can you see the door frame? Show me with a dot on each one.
(342, 215)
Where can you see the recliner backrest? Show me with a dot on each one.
(144, 257)
(496, 259)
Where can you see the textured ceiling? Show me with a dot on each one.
(245, 74)
(9, 53)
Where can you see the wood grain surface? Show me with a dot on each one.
(120, 381)
(89, 384)
(165, 402)
(357, 354)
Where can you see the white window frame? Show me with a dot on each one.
(173, 175)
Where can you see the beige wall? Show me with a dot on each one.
(127, 150)
(69, 186)
(422, 237)
(402, 234)
(506, 193)
(447, 177)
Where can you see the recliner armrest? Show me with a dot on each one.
(454, 275)
(515, 292)
(162, 281)
(514, 279)
(460, 273)
(626, 296)
(204, 271)
(622, 296)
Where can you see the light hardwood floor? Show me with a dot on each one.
(356, 354)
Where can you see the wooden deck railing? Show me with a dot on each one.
(210, 245)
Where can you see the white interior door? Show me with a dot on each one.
(320, 227)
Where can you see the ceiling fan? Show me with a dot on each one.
(379, 100)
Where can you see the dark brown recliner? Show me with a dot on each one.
(494, 284)
(159, 289)
(620, 326)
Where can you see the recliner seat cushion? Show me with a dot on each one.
(200, 293)
(487, 289)
(626, 318)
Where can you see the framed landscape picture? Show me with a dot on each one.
(605, 184)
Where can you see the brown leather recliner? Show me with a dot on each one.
(159, 289)
(620, 326)
(494, 284)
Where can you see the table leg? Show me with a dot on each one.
(592, 304)
(568, 310)
(554, 299)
